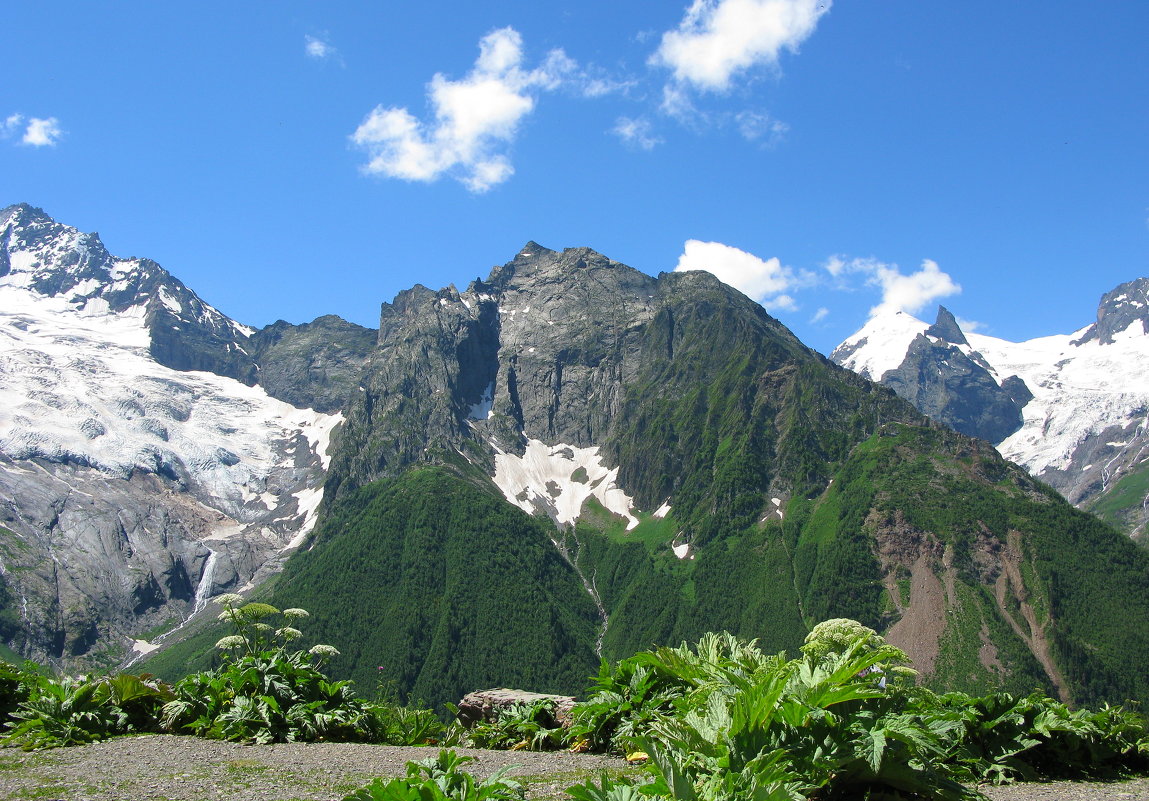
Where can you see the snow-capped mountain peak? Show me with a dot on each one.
(141, 471)
(879, 345)
(1083, 397)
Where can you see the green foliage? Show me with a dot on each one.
(440, 779)
(632, 695)
(1003, 738)
(83, 710)
(728, 722)
(276, 696)
(444, 587)
(269, 693)
(1121, 506)
(747, 726)
(397, 724)
(15, 686)
(521, 727)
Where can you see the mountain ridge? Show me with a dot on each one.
(567, 460)
(134, 487)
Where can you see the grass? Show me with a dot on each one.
(653, 532)
(1126, 495)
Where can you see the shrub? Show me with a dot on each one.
(440, 779)
(83, 710)
(265, 691)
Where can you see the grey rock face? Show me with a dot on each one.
(131, 492)
(946, 328)
(1119, 308)
(546, 342)
(315, 365)
(951, 383)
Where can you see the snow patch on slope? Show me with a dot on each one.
(559, 479)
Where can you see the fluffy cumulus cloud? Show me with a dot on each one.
(900, 292)
(718, 39)
(765, 280)
(474, 119)
(33, 131)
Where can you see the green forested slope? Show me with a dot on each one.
(444, 588)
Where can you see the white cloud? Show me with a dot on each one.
(37, 133)
(780, 303)
(718, 39)
(763, 280)
(820, 315)
(318, 48)
(970, 326)
(475, 118)
(42, 133)
(11, 125)
(637, 132)
(911, 293)
(900, 292)
(756, 126)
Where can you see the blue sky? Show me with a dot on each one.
(293, 159)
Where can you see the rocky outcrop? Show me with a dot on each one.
(543, 346)
(949, 381)
(1119, 309)
(489, 705)
(1081, 398)
(314, 365)
(937, 369)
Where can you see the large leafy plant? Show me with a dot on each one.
(266, 690)
(657, 685)
(521, 727)
(73, 711)
(440, 779)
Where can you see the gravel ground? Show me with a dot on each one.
(164, 767)
(170, 768)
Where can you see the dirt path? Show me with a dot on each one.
(170, 768)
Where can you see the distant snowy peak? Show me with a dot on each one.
(880, 345)
(142, 470)
(1071, 408)
(43, 257)
(1118, 314)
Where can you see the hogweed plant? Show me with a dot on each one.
(266, 689)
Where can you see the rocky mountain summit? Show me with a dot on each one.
(946, 379)
(1070, 408)
(140, 470)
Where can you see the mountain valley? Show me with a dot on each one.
(566, 461)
